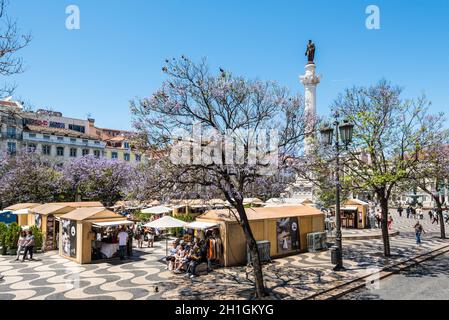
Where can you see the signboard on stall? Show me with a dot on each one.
(287, 234)
(69, 238)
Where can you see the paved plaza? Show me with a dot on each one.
(145, 277)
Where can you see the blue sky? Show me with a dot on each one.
(119, 50)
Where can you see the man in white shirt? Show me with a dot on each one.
(122, 241)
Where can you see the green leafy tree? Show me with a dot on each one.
(390, 133)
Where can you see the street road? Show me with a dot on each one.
(427, 281)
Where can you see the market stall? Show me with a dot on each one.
(284, 227)
(45, 218)
(354, 214)
(21, 211)
(84, 232)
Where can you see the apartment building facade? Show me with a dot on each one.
(51, 134)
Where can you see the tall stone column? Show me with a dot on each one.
(310, 80)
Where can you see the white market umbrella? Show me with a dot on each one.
(157, 210)
(166, 222)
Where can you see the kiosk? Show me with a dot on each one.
(284, 227)
(78, 234)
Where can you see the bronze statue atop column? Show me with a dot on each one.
(310, 52)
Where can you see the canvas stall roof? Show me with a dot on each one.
(21, 212)
(166, 222)
(90, 214)
(157, 210)
(262, 213)
(19, 206)
(349, 208)
(112, 223)
(201, 225)
(252, 200)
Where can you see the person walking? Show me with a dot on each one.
(400, 209)
(129, 247)
(379, 219)
(29, 245)
(151, 239)
(435, 217)
(418, 231)
(430, 214)
(140, 237)
(122, 241)
(408, 211)
(390, 221)
(21, 244)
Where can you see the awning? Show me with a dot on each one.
(166, 222)
(200, 225)
(4, 211)
(112, 223)
(21, 212)
(157, 210)
(349, 208)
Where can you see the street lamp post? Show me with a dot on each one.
(343, 134)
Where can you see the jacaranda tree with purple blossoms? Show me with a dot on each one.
(235, 113)
(99, 179)
(28, 177)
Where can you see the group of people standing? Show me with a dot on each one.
(418, 213)
(26, 243)
(375, 219)
(144, 234)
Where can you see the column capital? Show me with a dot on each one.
(310, 78)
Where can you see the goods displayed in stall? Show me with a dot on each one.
(90, 234)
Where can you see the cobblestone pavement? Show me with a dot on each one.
(294, 277)
(426, 281)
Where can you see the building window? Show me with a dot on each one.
(126, 156)
(138, 158)
(11, 132)
(126, 144)
(46, 149)
(78, 128)
(32, 135)
(60, 151)
(60, 138)
(114, 155)
(12, 148)
(85, 152)
(73, 140)
(97, 142)
(73, 152)
(86, 141)
(31, 147)
(97, 153)
(47, 137)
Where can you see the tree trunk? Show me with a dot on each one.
(441, 218)
(385, 236)
(252, 244)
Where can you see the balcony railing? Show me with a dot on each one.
(10, 135)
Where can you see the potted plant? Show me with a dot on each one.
(3, 230)
(12, 237)
(38, 238)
